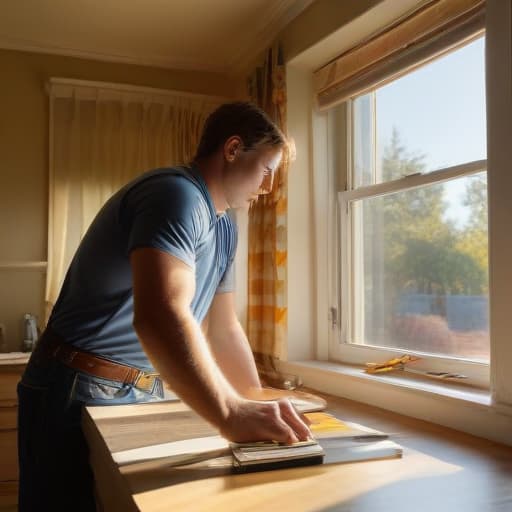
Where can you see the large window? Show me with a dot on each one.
(413, 266)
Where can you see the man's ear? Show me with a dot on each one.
(231, 147)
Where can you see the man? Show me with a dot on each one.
(154, 267)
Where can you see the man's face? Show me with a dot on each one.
(249, 174)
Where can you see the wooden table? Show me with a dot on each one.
(441, 469)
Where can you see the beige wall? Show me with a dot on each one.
(24, 160)
(301, 270)
(319, 20)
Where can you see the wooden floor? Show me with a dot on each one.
(441, 470)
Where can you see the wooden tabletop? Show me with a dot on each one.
(441, 469)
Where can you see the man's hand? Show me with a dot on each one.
(265, 421)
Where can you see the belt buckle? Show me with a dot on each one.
(145, 381)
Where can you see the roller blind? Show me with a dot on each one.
(434, 28)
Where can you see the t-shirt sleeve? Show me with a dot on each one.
(227, 282)
(165, 214)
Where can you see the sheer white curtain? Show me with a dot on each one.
(102, 136)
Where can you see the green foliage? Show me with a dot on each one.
(476, 199)
(473, 240)
(422, 251)
(434, 268)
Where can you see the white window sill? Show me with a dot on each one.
(413, 382)
(450, 404)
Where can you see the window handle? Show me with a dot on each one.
(333, 313)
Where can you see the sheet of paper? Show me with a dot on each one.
(325, 425)
(177, 452)
(350, 450)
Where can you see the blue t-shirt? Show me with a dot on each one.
(168, 209)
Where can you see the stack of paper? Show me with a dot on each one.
(264, 456)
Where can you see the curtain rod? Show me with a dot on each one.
(123, 87)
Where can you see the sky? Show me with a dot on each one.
(439, 112)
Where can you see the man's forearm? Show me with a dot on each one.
(178, 350)
(233, 354)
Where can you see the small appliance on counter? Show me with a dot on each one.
(30, 334)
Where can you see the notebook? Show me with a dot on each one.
(269, 456)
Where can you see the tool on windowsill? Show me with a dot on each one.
(397, 363)
(400, 363)
(438, 375)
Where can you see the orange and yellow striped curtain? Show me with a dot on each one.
(267, 272)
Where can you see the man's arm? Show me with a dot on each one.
(163, 289)
(233, 354)
(230, 346)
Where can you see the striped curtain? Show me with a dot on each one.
(267, 272)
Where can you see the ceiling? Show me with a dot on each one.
(207, 35)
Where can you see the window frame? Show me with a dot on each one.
(484, 413)
(343, 263)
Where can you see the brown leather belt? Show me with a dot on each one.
(51, 346)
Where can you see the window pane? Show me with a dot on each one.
(423, 262)
(434, 116)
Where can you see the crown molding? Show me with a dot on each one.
(264, 33)
(176, 63)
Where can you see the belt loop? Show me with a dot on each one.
(158, 388)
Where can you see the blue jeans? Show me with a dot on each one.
(53, 455)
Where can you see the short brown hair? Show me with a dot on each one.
(244, 119)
